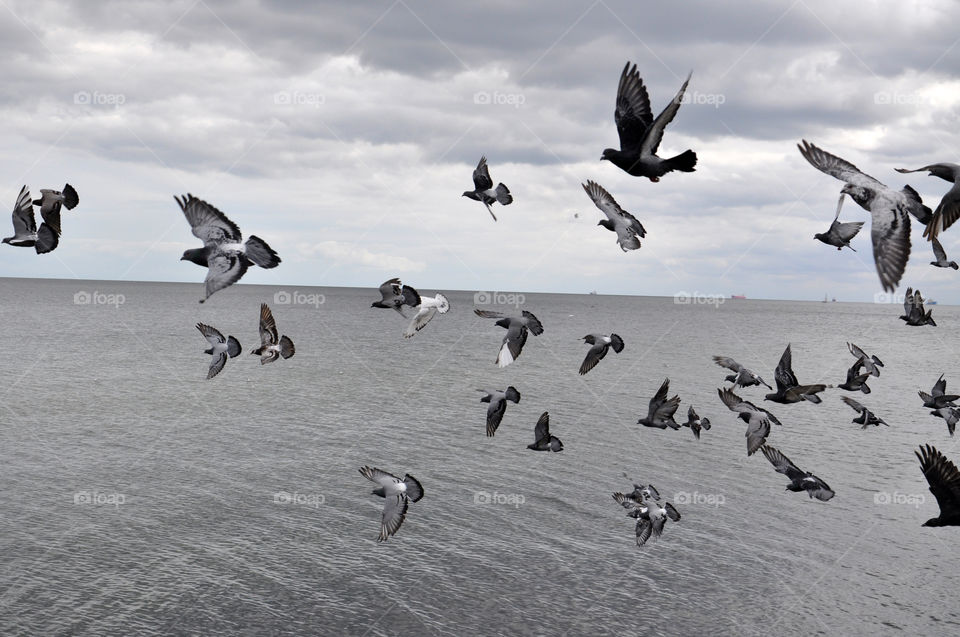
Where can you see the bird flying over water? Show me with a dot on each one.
(866, 417)
(25, 233)
(397, 495)
(50, 201)
(542, 440)
(661, 409)
(220, 348)
(272, 346)
(628, 229)
(948, 210)
(855, 380)
(950, 415)
(944, 481)
(941, 256)
(913, 311)
(517, 328)
(871, 364)
(789, 389)
(428, 308)
(840, 234)
(498, 406)
(395, 295)
(758, 419)
(799, 480)
(938, 396)
(741, 377)
(696, 423)
(223, 253)
(640, 134)
(600, 345)
(484, 191)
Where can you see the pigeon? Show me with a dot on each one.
(914, 312)
(50, 201)
(638, 496)
(271, 347)
(223, 253)
(397, 493)
(640, 134)
(866, 417)
(870, 363)
(855, 380)
(396, 295)
(696, 423)
(517, 328)
(220, 348)
(938, 397)
(484, 191)
(944, 481)
(758, 419)
(799, 480)
(789, 390)
(840, 234)
(596, 353)
(742, 377)
(428, 308)
(950, 414)
(643, 505)
(542, 440)
(661, 409)
(25, 233)
(888, 208)
(948, 210)
(941, 256)
(628, 229)
(498, 406)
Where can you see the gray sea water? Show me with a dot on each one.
(141, 499)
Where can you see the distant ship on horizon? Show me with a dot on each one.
(738, 296)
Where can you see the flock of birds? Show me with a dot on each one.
(227, 258)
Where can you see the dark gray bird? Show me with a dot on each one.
(950, 414)
(789, 390)
(50, 201)
(871, 364)
(855, 380)
(484, 191)
(799, 480)
(395, 295)
(840, 234)
(640, 134)
(944, 481)
(866, 417)
(758, 419)
(397, 495)
(600, 345)
(938, 396)
(696, 423)
(948, 210)
(889, 210)
(224, 254)
(661, 409)
(220, 348)
(643, 505)
(542, 440)
(913, 311)
(628, 229)
(742, 377)
(517, 328)
(498, 406)
(941, 256)
(25, 233)
(272, 346)
(639, 495)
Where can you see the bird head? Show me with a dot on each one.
(606, 223)
(932, 522)
(818, 237)
(859, 194)
(6, 240)
(608, 154)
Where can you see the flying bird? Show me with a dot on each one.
(428, 308)
(220, 348)
(628, 229)
(938, 396)
(272, 345)
(498, 406)
(542, 440)
(661, 409)
(913, 311)
(25, 233)
(758, 419)
(948, 210)
(789, 390)
(888, 208)
(944, 481)
(517, 328)
(395, 295)
(855, 380)
(50, 201)
(397, 495)
(643, 505)
(871, 364)
(950, 414)
(223, 253)
(799, 480)
(638, 496)
(484, 191)
(600, 345)
(696, 423)
(640, 134)
(741, 377)
(840, 234)
(866, 417)
(941, 256)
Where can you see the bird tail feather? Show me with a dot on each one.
(70, 197)
(286, 347)
(503, 195)
(444, 304)
(233, 347)
(684, 162)
(260, 253)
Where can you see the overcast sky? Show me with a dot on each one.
(344, 133)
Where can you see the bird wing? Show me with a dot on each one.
(512, 345)
(391, 289)
(206, 222)
(394, 512)
(659, 399)
(672, 513)
(481, 176)
(216, 364)
(603, 200)
(853, 404)
(947, 212)
(420, 319)
(542, 428)
(532, 322)
(489, 314)
(890, 232)
(848, 230)
(655, 132)
(939, 387)
(223, 270)
(213, 336)
(836, 167)
(938, 252)
(594, 356)
(24, 222)
(632, 115)
(817, 488)
(782, 463)
(268, 327)
(729, 363)
(379, 476)
(784, 373)
(495, 411)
